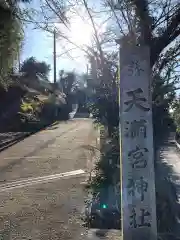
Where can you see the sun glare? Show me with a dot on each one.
(81, 32)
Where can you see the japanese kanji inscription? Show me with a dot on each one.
(139, 185)
(136, 128)
(138, 188)
(138, 157)
(137, 99)
(141, 219)
(134, 68)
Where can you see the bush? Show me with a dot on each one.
(107, 168)
(26, 108)
(30, 109)
(105, 109)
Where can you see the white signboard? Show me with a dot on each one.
(136, 134)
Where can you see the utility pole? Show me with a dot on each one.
(19, 61)
(87, 69)
(54, 54)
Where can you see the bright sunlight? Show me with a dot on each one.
(81, 32)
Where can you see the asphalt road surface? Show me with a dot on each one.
(41, 190)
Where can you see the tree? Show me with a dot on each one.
(105, 106)
(32, 67)
(67, 82)
(81, 98)
(11, 36)
(176, 116)
(154, 23)
(154, 28)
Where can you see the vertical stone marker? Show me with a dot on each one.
(136, 134)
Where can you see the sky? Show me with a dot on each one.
(39, 44)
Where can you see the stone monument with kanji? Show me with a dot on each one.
(136, 136)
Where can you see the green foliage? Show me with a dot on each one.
(163, 96)
(68, 84)
(30, 109)
(158, 32)
(107, 168)
(105, 111)
(105, 100)
(26, 107)
(31, 106)
(32, 67)
(11, 35)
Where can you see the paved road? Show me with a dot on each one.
(52, 151)
(41, 190)
(168, 167)
(169, 164)
(45, 208)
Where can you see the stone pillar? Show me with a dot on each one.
(136, 139)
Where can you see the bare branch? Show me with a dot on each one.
(170, 34)
(95, 34)
(65, 52)
(145, 21)
(58, 12)
(116, 17)
(165, 17)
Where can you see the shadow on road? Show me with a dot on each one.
(34, 152)
(102, 233)
(8, 139)
(167, 193)
(81, 115)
